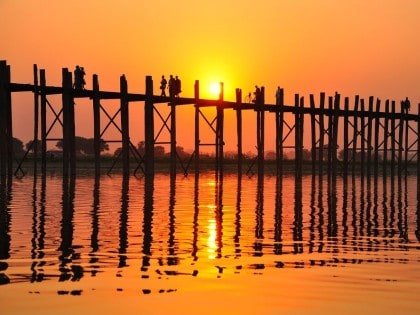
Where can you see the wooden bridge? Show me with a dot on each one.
(364, 129)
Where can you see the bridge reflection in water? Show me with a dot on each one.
(54, 230)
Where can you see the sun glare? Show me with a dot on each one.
(215, 89)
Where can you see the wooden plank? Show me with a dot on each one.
(96, 124)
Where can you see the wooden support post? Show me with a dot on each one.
(43, 95)
(301, 130)
(392, 139)
(219, 133)
(149, 128)
(3, 115)
(173, 139)
(72, 126)
(376, 136)
(336, 122)
(36, 119)
(362, 138)
(96, 124)
(406, 142)
(369, 137)
(355, 133)
(125, 130)
(313, 132)
(386, 135)
(239, 128)
(330, 134)
(400, 142)
(321, 134)
(197, 127)
(297, 134)
(346, 137)
(279, 134)
(418, 146)
(66, 98)
(261, 131)
(9, 123)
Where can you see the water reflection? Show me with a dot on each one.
(5, 220)
(94, 236)
(210, 222)
(147, 222)
(123, 234)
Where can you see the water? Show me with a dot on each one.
(201, 246)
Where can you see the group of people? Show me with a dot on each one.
(79, 78)
(173, 85)
(258, 97)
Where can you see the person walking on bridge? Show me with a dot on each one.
(163, 83)
(171, 86)
(177, 86)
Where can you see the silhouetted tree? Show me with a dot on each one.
(29, 145)
(85, 145)
(141, 147)
(181, 153)
(18, 147)
(306, 155)
(270, 155)
(159, 151)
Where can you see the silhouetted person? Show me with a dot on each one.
(177, 86)
(171, 86)
(248, 98)
(163, 84)
(278, 96)
(406, 104)
(82, 78)
(77, 78)
(257, 95)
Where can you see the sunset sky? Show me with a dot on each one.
(353, 47)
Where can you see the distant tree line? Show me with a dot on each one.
(85, 146)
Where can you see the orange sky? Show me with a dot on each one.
(365, 47)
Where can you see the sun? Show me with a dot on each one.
(214, 89)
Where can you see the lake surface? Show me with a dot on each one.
(189, 245)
